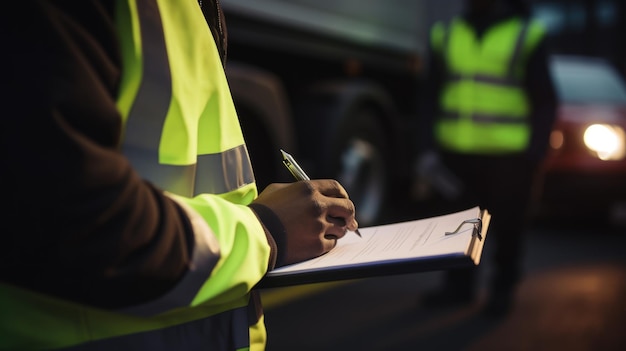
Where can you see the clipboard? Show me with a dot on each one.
(443, 242)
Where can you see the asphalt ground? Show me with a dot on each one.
(572, 297)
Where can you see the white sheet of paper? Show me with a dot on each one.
(394, 242)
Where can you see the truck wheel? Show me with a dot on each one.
(358, 161)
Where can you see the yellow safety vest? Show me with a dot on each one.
(182, 133)
(484, 109)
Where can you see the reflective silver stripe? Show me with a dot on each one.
(482, 78)
(492, 119)
(236, 171)
(224, 331)
(177, 179)
(147, 115)
(206, 254)
(147, 118)
(484, 118)
(234, 163)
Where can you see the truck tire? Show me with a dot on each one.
(341, 131)
(358, 160)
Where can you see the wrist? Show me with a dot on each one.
(275, 232)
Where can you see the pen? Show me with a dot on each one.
(298, 172)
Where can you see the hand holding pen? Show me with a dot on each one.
(299, 174)
(304, 219)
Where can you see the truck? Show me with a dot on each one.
(335, 84)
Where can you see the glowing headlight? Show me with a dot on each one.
(607, 141)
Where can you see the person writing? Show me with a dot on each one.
(133, 218)
(489, 111)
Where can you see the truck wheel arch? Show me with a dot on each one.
(265, 117)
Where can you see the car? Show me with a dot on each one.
(585, 170)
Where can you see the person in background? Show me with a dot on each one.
(489, 110)
(132, 220)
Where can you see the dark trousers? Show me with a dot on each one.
(503, 185)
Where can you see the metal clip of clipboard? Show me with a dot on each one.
(478, 227)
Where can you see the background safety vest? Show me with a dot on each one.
(484, 109)
(181, 133)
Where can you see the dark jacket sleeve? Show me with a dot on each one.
(78, 222)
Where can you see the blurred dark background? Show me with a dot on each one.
(579, 27)
(586, 27)
(335, 83)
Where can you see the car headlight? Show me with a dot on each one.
(606, 140)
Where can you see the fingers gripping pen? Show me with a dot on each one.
(298, 173)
